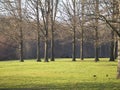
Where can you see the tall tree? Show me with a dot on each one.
(45, 10)
(41, 10)
(112, 37)
(96, 30)
(82, 29)
(20, 31)
(13, 10)
(113, 46)
(38, 32)
(34, 16)
(118, 19)
(74, 31)
(54, 7)
(71, 15)
(116, 29)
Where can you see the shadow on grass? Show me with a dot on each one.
(71, 86)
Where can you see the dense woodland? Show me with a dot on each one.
(59, 28)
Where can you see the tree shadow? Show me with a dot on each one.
(71, 86)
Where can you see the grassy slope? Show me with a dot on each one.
(59, 75)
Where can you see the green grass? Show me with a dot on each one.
(63, 74)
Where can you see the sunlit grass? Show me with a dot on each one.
(63, 74)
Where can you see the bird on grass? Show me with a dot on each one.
(95, 77)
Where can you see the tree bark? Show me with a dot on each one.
(113, 43)
(118, 67)
(46, 50)
(38, 48)
(96, 31)
(38, 33)
(52, 31)
(112, 48)
(74, 46)
(96, 47)
(82, 29)
(20, 32)
(74, 32)
(21, 45)
(46, 29)
(81, 48)
(116, 49)
(52, 44)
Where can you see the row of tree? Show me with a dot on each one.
(76, 17)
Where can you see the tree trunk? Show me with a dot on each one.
(116, 49)
(21, 32)
(52, 44)
(46, 29)
(96, 45)
(74, 47)
(82, 26)
(81, 48)
(21, 45)
(113, 43)
(118, 68)
(96, 31)
(38, 33)
(38, 48)
(74, 32)
(46, 50)
(96, 52)
(52, 31)
(112, 52)
(112, 47)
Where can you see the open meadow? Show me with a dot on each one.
(63, 74)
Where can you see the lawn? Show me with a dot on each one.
(63, 74)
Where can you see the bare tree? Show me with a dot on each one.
(34, 16)
(82, 29)
(74, 30)
(45, 11)
(13, 10)
(93, 9)
(54, 8)
(20, 31)
(113, 46)
(72, 16)
(112, 23)
(38, 32)
(96, 30)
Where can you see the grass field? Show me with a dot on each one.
(63, 74)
